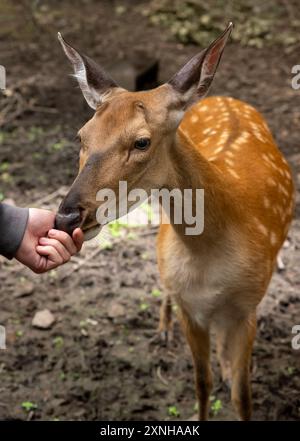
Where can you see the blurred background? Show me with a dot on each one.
(98, 357)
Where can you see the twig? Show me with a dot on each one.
(161, 378)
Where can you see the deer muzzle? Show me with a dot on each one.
(68, 221)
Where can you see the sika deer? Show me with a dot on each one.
(220, 144)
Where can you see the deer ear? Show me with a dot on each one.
(193, 80)
(93, 80)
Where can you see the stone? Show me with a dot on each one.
(43, 319)
(24, 288)
(9, 201)
(116, 310)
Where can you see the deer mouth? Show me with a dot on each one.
(90, 228)
(91, 232)
(89, 225)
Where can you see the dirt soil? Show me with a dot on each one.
(100, 359)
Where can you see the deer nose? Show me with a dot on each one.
(68, 221)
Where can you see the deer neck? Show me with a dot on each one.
(189, 169)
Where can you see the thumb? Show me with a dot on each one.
(78, 238)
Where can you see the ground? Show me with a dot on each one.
(99, 360)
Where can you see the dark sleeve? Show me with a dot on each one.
(13, 221)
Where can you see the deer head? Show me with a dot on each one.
(131, 134)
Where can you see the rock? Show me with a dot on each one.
(116, 310)
(24, 288)
(9, 201)
(43, 319)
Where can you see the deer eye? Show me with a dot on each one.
(142, 143)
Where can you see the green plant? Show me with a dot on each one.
(4, 166)
(28, 406)
(59, 145)
(173, 411)
(144, 306)
(290, 370)
(58, 342)
(216, 407)
(156, 292)
(131, 236)
(115, 228)
(34, 133)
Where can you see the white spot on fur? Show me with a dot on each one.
(283, 190)
(271, 182)
(229, 162)
(273, 238)
(261, 227)
(266, 202)
(218, 150)
(233, 173)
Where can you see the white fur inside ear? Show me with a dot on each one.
(92, 97)
(177, 117)
(189, 94)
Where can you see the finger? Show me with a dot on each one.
(78, 238)
(40, 265)
(54, 258)
(65, 239)
(57, 245)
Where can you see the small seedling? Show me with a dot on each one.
(34, 133)
(115, 228)
(290, 370)
(58, 342)
(173, 411)
(19, 333)
(76, 375)
(4, 166)
(28, 406)
(105, 244)
(59, 145)
(37, 155)
(7, 178)
(131, 236)
(216, 407)
(156, 292)
(144, 306)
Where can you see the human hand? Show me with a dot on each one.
(43, 248)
